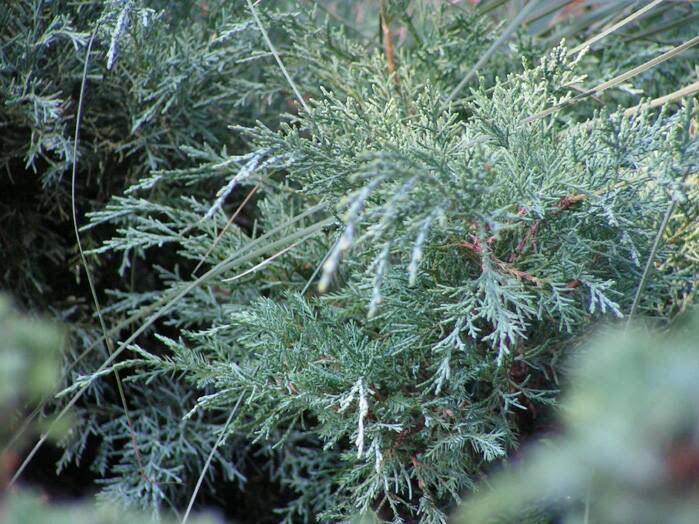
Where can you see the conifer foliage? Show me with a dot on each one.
(412, 266)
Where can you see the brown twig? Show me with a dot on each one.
(388, 43)
(563, 204)
(529, 234)
(475, 247)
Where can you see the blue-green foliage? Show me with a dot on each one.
(468, 255)
(408, 279)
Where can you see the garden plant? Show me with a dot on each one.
(320, 261)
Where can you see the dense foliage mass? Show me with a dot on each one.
(329, 263)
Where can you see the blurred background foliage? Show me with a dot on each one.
(25, 507)
(30, 368)
(628, 446)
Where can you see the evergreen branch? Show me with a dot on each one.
(482, 249)
(165, 305)
(511, 28)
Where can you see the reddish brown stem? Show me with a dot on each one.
(388, 43)
(499, 264)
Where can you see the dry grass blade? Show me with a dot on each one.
(645, 67)
(262, 264)
(616, 80)
(674, 199)
(579, 23)
(320, 266)
(225, 228)
(690, 90)
(687, 91)
(633, 16)
(677, 23)
(388, 43)
(274, 52)
(83, 258)
(219, 441)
